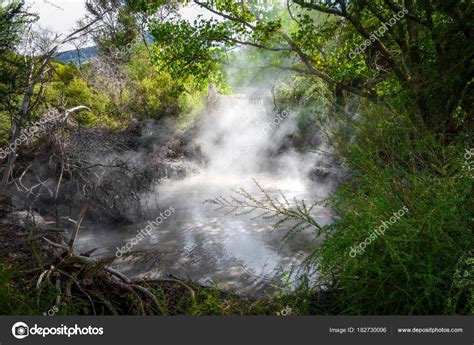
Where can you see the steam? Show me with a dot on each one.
(235, 136)
(238, 138)
(243, 137)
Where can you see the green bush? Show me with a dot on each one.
(423, 262)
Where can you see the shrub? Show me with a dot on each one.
(423, 262)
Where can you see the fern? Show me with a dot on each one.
(281, 210)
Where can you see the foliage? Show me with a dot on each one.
(13, 71)
(399, 111)
(412, 268)
(13, 19)
(423, 263)
(401, 68)
(312, 101)
(117, 30)
(181, 57)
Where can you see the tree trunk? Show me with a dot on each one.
(16, 133)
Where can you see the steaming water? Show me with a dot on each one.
(198, 242)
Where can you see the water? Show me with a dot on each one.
(211, 246)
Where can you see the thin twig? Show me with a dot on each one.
(85, 207)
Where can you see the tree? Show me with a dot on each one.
(39, 50)
(429, 49)
(118, 28)
(13, 20)
(422, 63)
(127, 21)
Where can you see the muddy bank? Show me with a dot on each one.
(113, 169)
(130, 176)
(43, 271)
(49, 281)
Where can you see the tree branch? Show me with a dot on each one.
(318, 8)
(257, 45)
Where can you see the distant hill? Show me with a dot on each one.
(71, 55)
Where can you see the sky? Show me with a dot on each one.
(62, 15)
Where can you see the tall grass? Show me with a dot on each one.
(423, 263)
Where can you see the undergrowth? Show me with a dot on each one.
(422, 263)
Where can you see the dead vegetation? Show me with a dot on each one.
(51, 266)
(114, 169)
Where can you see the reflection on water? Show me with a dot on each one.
(199, 243)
